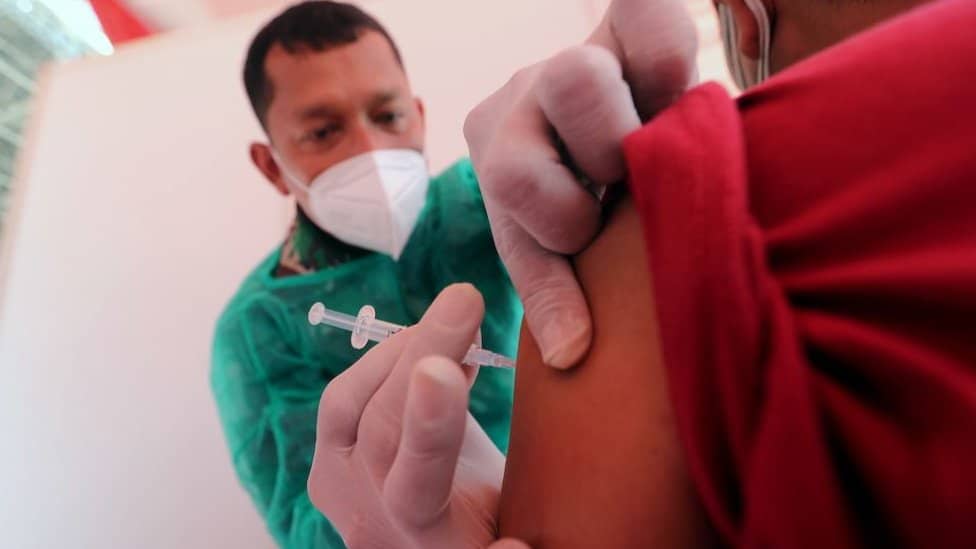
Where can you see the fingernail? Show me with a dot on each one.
(435, 383)
(441, 371)
(457, 305)
(564, 342)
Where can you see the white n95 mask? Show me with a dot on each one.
(372, 200)
(746, 72)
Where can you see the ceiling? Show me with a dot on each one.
(170, 14)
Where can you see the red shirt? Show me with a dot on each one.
(813, 248)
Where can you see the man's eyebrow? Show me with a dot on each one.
(318, 110)
(383, 98)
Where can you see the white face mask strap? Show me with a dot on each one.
(758, 10)
(287, 174)
(730, 40)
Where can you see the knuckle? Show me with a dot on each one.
(511, 183)
(335, 404)
(578, 68)
(495, 107)
(520, 253)
(522, 77)
(555, 234)
(550, 293)
(474, 123)
(509, 242)
(585, 61)
(547, 285)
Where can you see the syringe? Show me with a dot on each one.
(366, 327)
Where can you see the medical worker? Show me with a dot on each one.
(346, 139)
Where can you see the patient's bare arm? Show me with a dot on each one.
(594, 459)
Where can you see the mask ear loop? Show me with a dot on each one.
(765, 39)
(289, 177)
(730, 42)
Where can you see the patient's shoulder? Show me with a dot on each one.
(594, 459)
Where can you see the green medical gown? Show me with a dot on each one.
(270, 366)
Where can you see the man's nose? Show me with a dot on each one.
(365, 137)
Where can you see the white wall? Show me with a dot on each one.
(711, 56)
(137, 215)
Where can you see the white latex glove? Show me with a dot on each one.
(399, 462)
(638, 61)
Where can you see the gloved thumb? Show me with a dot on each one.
(418, 487)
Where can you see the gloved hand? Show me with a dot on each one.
(583, 102)
(399, 462)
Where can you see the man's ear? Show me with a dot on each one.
(422, 111)
(748, 27)
(265, 163)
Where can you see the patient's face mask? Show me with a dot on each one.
(372, 200)
(746, 72)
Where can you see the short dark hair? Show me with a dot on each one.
(314, 25)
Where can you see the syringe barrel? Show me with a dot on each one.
(339, 320)
(378, 330)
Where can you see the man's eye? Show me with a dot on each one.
(388, 118)
(321, 133)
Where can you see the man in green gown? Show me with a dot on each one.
(346, 137)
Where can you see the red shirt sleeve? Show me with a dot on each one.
(813, 249)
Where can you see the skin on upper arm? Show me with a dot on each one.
(594, 459)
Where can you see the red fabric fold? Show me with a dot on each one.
(813, 247)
